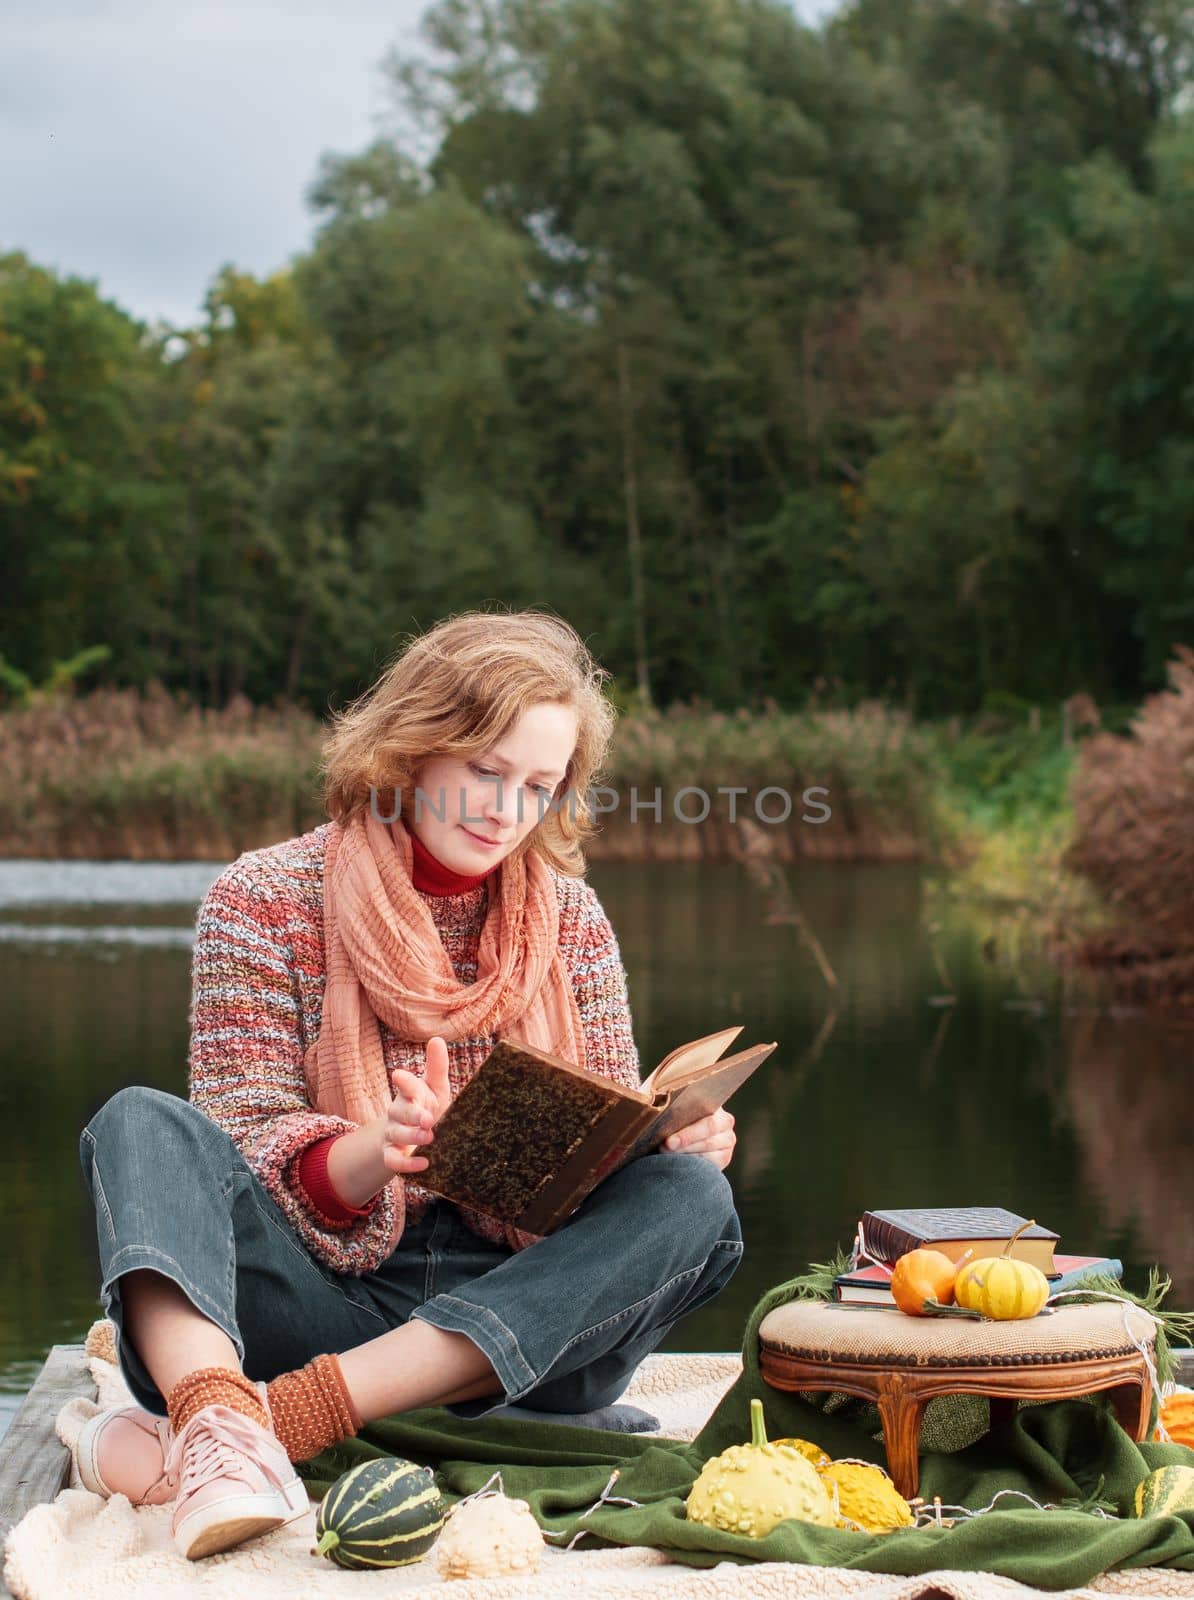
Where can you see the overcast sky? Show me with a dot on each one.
(144, 143)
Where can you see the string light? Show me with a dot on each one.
(603, 1499)
(1129, 1305)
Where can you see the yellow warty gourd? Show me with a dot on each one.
(749, 1488)
(866, 1497)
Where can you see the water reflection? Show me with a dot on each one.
(874, 1098)
(99, 934)
(102, 883)
(1127, 1095)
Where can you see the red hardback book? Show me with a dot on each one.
(871, 1285)
(531, 1134)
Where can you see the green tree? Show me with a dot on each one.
(225, 401)
(1112, 366)
(772, 356)
(82, 560)
(424, 303)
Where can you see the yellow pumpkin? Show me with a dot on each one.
(1177, 1417)
(1001, 1288)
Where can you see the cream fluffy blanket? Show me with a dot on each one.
(88, 1548)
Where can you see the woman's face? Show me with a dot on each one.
(471, 813)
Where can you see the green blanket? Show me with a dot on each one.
(1069, 1451)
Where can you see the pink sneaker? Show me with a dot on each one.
(124, 1452)
(236, 1482)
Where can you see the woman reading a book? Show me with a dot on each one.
(275, 1274)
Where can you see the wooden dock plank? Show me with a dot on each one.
(34, 1465)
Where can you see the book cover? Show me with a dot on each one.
(984, 1230)
(871, 1285)
(531, 1134)
(1073, 1270)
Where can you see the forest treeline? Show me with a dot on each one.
(849, 361)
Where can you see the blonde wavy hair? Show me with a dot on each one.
(458, 689)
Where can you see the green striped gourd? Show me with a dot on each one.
(1167, 1492)
(385, 1513)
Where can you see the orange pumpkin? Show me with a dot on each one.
(1177, 1416)
(923, 1280)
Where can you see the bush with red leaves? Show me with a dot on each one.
(1133, 800)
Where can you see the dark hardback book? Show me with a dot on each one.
(531, 1134)
(983, 1230)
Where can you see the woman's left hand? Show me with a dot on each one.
(712, 1137)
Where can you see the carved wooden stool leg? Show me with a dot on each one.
(901, 1413)
(1132, 1404)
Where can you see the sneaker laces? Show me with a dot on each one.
(163, 1429)
(165, 1433)
(214, 1445)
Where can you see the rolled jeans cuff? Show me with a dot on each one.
(491, 1336)
(141, 1257)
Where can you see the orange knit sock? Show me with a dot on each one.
(312, 1408)
(214, 1386)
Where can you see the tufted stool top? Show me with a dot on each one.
(820, 1330)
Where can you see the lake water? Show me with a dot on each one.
(1062, 1111)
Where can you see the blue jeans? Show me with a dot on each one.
(564, 1323)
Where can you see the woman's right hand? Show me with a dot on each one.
(417, 1106)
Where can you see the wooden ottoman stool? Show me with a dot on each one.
(902, 1362)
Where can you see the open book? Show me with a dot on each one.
(532, 1134)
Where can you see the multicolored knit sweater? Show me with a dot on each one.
(258, 976)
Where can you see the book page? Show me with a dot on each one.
(698, 1098)
(688, 1061)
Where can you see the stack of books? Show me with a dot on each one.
(884, 1236)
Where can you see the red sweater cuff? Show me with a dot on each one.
(312, 1172)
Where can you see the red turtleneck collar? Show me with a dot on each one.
(430, 876)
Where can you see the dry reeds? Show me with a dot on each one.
(1133, 800)
(149, 775)
(880, 772)
(146, 775)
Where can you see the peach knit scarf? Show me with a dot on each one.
(385, 961)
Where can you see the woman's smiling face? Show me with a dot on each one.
(470, 813)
